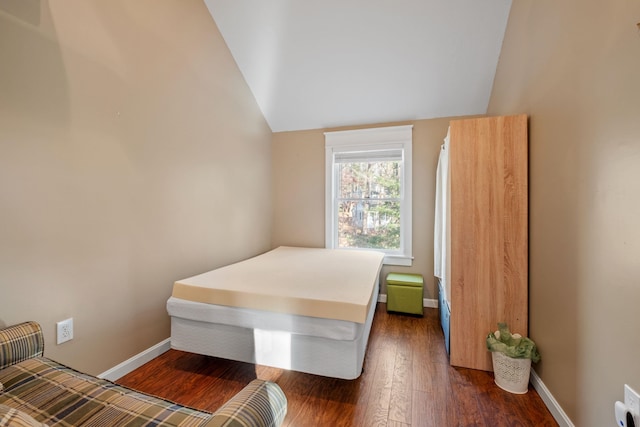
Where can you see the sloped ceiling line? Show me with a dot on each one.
(314, 65)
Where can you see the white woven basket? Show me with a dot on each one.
(511, 374)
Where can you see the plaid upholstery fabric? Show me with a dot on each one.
(60, 396)
(259, 403)
(13, 418)
(63, 397)
(20, 342)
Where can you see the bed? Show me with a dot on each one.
(304, 309)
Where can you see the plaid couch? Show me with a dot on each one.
(36, 391)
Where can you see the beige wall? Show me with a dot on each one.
(574, 67)
(298, 185)
(132, 154)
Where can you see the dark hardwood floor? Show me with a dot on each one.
(407, 381)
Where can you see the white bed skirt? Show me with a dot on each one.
(280, 349)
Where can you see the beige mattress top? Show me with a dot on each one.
(327, 283)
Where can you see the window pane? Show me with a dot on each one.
(369, 224)
(367, 185)
(373, 180)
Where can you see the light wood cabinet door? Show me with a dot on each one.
(489, 237)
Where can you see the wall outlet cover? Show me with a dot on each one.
(64, 330)
(632, 400)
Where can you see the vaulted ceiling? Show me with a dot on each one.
(319, 64)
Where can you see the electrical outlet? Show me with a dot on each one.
(65, 330)
(632, 400)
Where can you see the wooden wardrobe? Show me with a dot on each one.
(489, 237)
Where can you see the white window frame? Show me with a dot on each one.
(362, 140)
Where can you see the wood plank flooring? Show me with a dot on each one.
(407, 381)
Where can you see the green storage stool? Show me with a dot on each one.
(404, 293)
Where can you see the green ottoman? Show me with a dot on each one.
(404, 293)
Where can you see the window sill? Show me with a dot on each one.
(402, 260)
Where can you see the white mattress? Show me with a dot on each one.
(264, 320)
(304, 353)
(325, 283)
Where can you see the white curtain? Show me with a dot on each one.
(442, 232)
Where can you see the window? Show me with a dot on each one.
(368, 191)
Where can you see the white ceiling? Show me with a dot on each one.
(318, 64)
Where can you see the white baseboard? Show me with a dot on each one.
(426, 302)
(136, 361)
(430, 303)
(550, 401)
